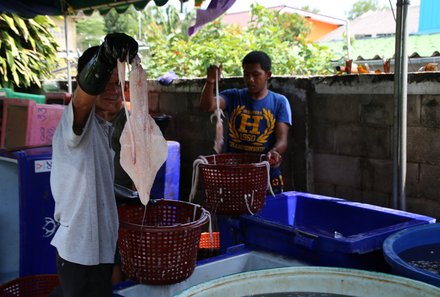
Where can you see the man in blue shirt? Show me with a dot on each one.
(258, 119)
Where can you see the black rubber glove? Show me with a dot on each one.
(95, 75)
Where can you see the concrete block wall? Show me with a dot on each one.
(352, 139)
(341, 141)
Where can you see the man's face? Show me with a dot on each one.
(109, 102)
(255, 78)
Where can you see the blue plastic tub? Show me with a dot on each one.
(420, 243)
(321, 230)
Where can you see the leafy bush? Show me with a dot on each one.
(282, 36)
(165, 45)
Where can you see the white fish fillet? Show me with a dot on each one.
(218, 113)
(218, 141)
(150, 151)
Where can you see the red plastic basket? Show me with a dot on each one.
(234, 184)
(158, 243)
(40, 285)
(208, 248)
(205, 240)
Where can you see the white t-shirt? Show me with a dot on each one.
(81, 180)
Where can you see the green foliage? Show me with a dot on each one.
(127, 22)
(159, 22)
(282, 36)
(27, 50)
(165, 45)
(90, 31)
(362, 6)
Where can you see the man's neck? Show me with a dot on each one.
(107, 115)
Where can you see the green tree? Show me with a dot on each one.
(90, 31)
(362, 6)
(122, 22)
(28, 51)
(159, 22)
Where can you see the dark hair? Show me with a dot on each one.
(258, 57)
(86, 57)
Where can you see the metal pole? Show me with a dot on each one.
(139, 26)
(69, 78)
(400, 106)
(404, 104)
(396, 133)
(347, 33)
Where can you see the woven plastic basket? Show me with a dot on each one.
(30, 286)
(234, 184)
(158, 244)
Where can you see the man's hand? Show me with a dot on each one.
(274, 158)
(210, 73)
(115, 47)
(207, 100)
(96, 74)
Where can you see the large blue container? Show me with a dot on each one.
(420, 243)
(27, 214)
(321, 230)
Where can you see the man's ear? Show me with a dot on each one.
(269, 74)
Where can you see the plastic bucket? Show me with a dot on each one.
(338, 281)
(420, 243)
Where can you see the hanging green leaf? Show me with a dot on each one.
(21, 26)
(27, 50)
(10, 22)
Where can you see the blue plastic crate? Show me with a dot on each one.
(323, 230)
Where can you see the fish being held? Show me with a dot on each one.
(143, 147)
(218, 114)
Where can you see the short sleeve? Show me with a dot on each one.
(229, 96)
(284, 111)
(66, 124)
